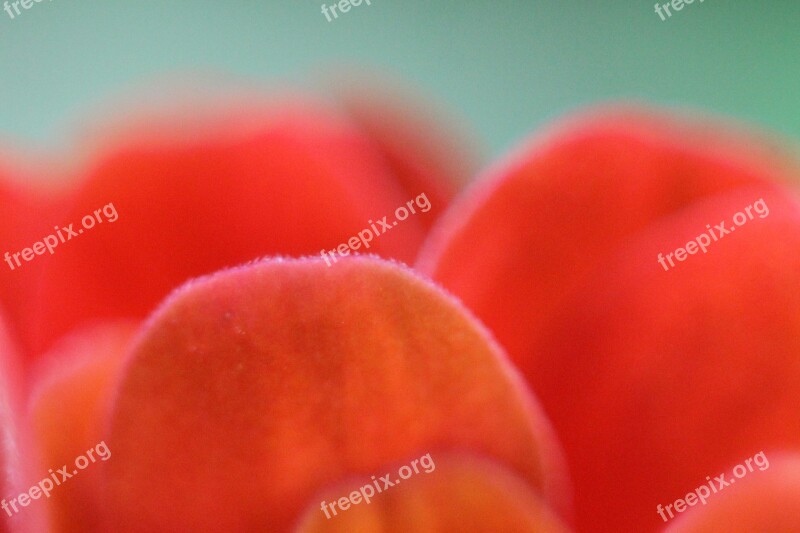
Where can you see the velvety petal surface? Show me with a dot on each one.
(460, 494)
(251, 390)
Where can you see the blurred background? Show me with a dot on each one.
(503, 67)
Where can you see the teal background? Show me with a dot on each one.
(505, 67)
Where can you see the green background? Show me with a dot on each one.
(505, 67)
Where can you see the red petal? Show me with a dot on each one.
(26, 211)
(460, 494)
(525, 236)
(652, 378)
(251, 390)
(243, 185)
(677, 374)
(426, 150)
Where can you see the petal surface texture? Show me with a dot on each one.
(253, 389)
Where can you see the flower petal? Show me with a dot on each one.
(253, 389)
(26, 210)
(68, 408)
(668, 375)
(243, 184)
(425, 149)
(8, 429)
(527, 234)
(461, 494)
(676, 374)
(15, 463)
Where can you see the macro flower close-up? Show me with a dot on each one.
(236, 399)
(389, 300)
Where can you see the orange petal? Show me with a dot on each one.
(767, 500)
(458, 494)
(253, 389)
(15, 457)
(67, 412)
(247, 183)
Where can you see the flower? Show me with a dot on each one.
(254, 388)
(201, 192)
(540, 355)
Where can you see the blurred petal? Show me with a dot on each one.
(677, 374)
(459, 495)
(15, 461)
(426, 150)
(251, 390)
(8, 430)
(198, 195)
(524, 237)
(642, 371)
(26, 213)
(68, 407)
(767, 500)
